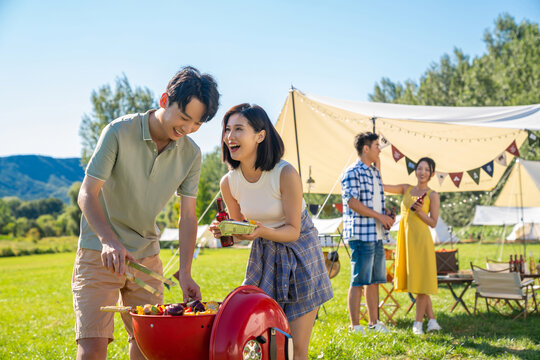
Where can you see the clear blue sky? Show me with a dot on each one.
(54, 53)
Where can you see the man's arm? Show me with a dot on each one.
(113, 253)
(357, 206)
(187, 226)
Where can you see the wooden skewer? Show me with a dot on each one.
(120, 309)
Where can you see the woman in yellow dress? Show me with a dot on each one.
(416, 268)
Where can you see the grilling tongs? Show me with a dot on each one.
(144, 269)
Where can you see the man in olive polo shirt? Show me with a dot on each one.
(140, 161)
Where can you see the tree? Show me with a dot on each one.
(108, 105)
(35, 208)
(508, 74)
(48, 226)
(70, 221)
(6, 217)
(212, 170)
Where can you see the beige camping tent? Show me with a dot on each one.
(318, 133)
(522, 189)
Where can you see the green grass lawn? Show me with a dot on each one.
(37, 315)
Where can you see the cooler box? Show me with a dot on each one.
(447, 261)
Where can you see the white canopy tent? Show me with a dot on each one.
(318, 133)
(328, 226)
(329, 230)
(205, 238)
(494, 215)
(525, 232)
(522, 189)
(521, 194)
(440, 233)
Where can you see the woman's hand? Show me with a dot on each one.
(417, 207)
(258, 232)
(215, 229)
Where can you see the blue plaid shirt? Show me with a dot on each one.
(357, 182)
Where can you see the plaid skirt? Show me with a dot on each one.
(293, 274)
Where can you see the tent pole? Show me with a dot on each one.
(373, 121)
(502, 242)
(172, 260)
(296, 132)
(521, 207)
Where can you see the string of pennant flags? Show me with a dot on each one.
(314, 208)
(457, 177)
(472, 199)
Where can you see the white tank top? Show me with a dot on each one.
(261, 200)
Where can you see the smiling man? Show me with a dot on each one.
(140, 161)
(364, 224)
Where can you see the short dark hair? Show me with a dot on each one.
(189, 83)
(270, 150)
(429, 161)
(365, 138)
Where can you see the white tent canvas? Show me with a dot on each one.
(525, 232)
(440, 233)
(169, 234)
(328, 226)
(318, 134)
(505, 215)
(522, 189)
(205, 238)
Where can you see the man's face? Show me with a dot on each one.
(178, 123)
(372, 152)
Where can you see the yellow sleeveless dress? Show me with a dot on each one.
(416, 268)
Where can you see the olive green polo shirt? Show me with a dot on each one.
(138, 182)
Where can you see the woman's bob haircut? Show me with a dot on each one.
(270, 150)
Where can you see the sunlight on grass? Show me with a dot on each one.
(38, 319)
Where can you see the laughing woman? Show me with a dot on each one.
(262, 187)
(416, 269)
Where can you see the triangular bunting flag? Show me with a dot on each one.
(410, 165)
(488, 168)
(501, 159)
(456, 178)
(475, 175)
(440, 176)
(327, 209)
(396, 154)
(532, 138)
(313, 209)
(339, 207)
(383, 142)
(512, 149)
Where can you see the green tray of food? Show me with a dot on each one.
(231, 227)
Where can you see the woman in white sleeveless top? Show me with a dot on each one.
(286, 260)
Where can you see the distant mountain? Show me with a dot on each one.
(31, 177)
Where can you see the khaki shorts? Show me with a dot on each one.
(94, 286)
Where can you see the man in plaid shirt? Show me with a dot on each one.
(364, 227)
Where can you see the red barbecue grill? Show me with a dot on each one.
(249, 325)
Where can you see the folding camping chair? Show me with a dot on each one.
(506, 286)
(494, 265)
(388, 305)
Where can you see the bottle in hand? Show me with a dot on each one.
(419, 201)
(392, 214)
(226, 241)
